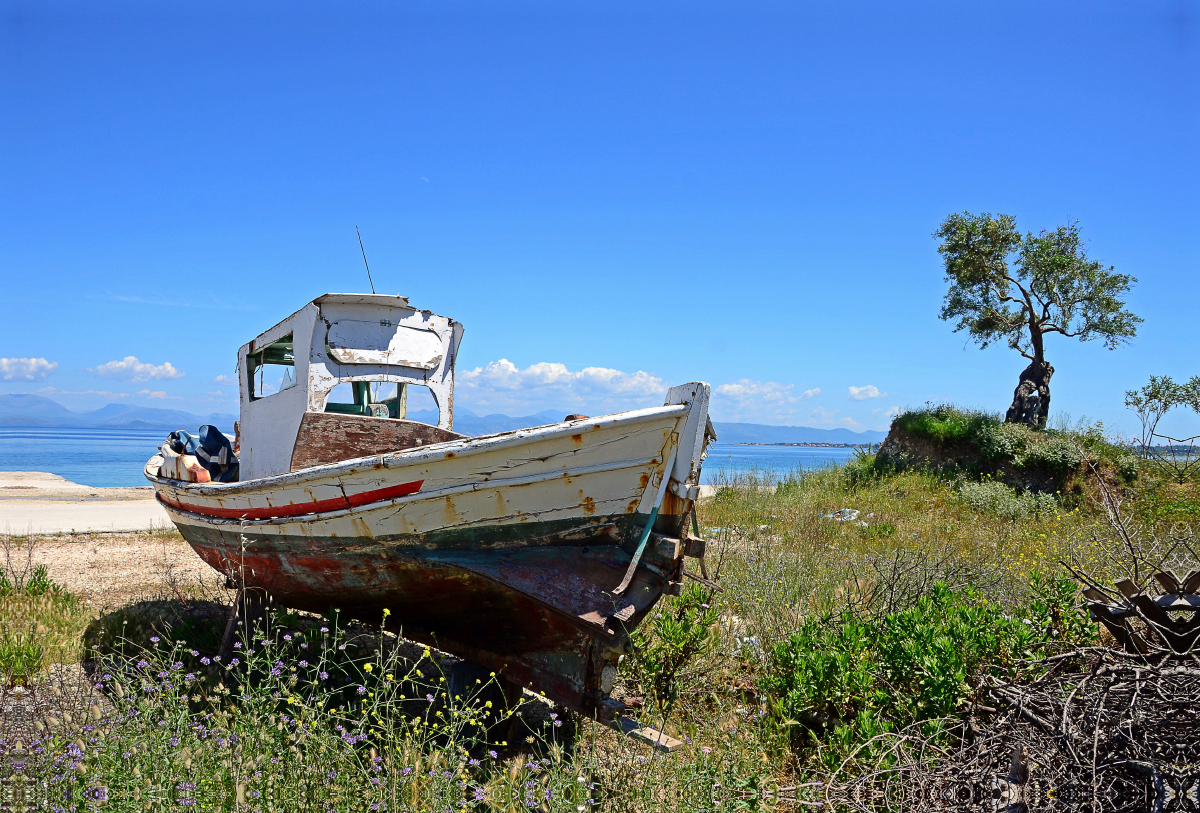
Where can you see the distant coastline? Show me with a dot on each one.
(28, 410)
(814, 444)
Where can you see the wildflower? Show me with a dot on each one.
(361, 690)
(287, 637)
(154, 639)
(142, 664)
(324, 629)
(234, 662)
(324, 676)
(367, 668)
(174, 742)
(237, 644)
(303, 663)
(206, 661)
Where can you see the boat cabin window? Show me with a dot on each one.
(271, 369)
(383, 399)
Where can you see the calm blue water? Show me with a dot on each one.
(114, 457)
(93, 457)
(730, 459)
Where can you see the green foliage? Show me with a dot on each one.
(999, 499)
(37, 583)
(22, 656)
(310, 719)
(670, 639)
(38, 616)
(945, 423)
(1176, 457)
(980, 443)
(1056, 454)
(842, 679)
(1005, 287)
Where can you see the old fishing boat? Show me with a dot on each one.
(533, 552)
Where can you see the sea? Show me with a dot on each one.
(115, 457)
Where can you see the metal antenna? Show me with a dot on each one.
(364, 253)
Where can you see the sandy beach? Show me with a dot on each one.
(38, 503)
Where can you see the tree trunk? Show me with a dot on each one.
(1031, 400)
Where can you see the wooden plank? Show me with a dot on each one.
(649, 736)
(329, 437)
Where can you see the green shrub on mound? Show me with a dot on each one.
(956, 441)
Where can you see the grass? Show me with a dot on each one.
(823, 634)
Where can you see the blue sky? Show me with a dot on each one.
(612, 197)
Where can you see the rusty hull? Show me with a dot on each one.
(540, 615)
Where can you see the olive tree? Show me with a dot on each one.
(1021, 289)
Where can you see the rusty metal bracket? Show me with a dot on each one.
(637, 555)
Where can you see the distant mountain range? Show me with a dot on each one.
(21, 409)
(764, 433)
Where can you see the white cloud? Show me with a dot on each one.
(824, 416)
(158, 395)
(503, 385)
(226, 380)
(751, 401)
(130, 369)
(26, 369)
(888, 413)
(865, 393)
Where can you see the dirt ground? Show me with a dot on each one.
(110, 570)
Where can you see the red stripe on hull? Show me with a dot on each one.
(294, 509)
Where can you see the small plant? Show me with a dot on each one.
(670, 639)
(39, 582)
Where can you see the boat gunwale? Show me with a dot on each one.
(464, 447)
(416, 496)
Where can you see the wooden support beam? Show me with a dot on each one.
(650, 736)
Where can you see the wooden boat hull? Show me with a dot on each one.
(505, 550)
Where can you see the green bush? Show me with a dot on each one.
(945, 423)
(670, 639)
(997, 441)
(1054, 453)
(863, 468)
(994, 444)
(843, 679)
(997, 498)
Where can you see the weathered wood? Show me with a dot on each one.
(650, 736)
(327, 437)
